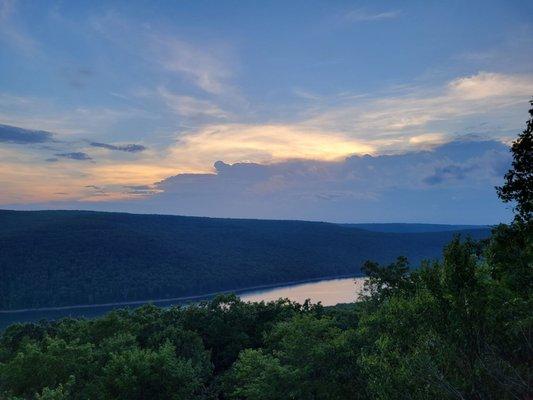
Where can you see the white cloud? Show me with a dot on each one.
(497, 98)
(502, 89)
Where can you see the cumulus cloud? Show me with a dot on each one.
(129, 148)
(446, 183)
(78, 155)
(16, 135)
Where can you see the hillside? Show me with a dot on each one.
(413, 228)
(57, 258)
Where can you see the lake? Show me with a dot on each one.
(329, 292)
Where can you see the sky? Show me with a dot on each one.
(341, 111)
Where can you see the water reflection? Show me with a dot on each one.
(328, 292)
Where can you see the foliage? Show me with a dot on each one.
(518, 185)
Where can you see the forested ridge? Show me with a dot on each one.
(58, 258)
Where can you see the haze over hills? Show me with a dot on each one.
(61, 258)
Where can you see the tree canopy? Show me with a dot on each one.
(518, 186)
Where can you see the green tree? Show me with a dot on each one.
(257, 375)
(518, 186)
(147, 374)
(305, 358)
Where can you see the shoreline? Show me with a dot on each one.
(252, 289)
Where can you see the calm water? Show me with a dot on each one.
(329, 292)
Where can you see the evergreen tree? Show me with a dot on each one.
(518, 186)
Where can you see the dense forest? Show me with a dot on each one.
(456, 328)
(58, 258)
(459, 328)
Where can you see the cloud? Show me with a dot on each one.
(97, 190)
(129, 148)
(403, 120)
(16, 135)
(393, 119)
(446, 183)
(489, 85)
(189, 106)
(79, 156)
(396, 122)
(448, 172)
(141, 190)
(265, 143)
(207, 67)
(361, 15)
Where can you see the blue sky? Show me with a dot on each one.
(129, 106)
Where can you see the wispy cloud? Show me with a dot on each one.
(361, 15)
(206, 67)
(128, 148)
(391, 120)
(78, 156)
(142, 190)
(189, 106)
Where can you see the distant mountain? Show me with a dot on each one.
(58, 258)
(413, 228)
